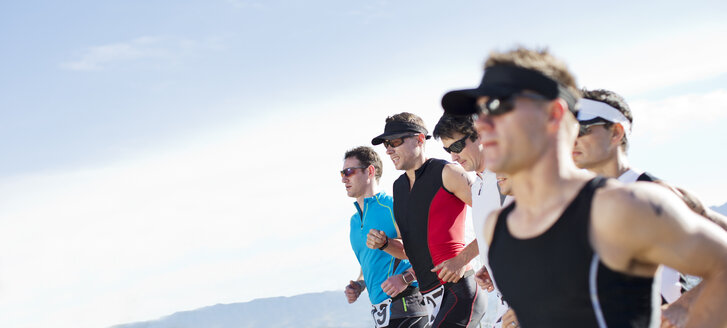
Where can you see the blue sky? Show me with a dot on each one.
(162, 156)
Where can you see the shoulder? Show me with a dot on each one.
(439, 161)
(453, 175)
(453, 170)
(384, 199)
(400, 180)
(616, 202)
(622, 211)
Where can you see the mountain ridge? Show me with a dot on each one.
(324, 309)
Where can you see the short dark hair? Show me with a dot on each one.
(366, 156)
(407, 117)
(614, 100)
(449, 125)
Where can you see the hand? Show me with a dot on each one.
(509, 320)
(352, 291)
(394, 285)
(482, 277)
(673, 315)
(376, 238)
(452, 270)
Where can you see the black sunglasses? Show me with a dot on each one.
(585, 129)
(393, 143)
(499, 106)
(457, 146)
(349, 171)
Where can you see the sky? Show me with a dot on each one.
(162, 156)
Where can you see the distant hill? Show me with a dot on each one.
(320, 310)
(722, 209)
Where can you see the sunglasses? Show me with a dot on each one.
(585, 129)
(499, 106)
(349, 171)
(457, 146)
(393, 143)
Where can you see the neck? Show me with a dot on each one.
(537, 187)
(614, 167)
(369, 192)
(411, 173)
(480, 170)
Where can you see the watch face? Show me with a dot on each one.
(407, 281)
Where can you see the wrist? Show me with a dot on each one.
(408, 278)
(361, 284)
(385, 244)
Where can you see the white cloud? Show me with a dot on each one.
(641, 65)
(253, 210)
(160, 49)
(660, 121)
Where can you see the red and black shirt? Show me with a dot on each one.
(431, 220)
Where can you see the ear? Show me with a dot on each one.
(421, 137)
(371, 170)
(617, 134)
(556, 113)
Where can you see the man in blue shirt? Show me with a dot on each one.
(395, 298)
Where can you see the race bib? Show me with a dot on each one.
(432, 300)
(380, 312)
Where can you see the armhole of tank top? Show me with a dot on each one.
(647, 177)
(444, 164)
(502, 217)
(595, 184)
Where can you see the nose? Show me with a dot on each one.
(455, 156)
(389, 150)
(344, 179)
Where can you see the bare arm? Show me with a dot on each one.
(397, 283)
(354, 288)
(696, 205)
(456, 180)
(377, 239)
(453, 269)
(637, 227)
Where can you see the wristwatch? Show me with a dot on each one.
(408, 277)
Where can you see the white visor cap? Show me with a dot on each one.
(590, 109)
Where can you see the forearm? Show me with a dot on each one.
(396, 249)
(707, 302)
(360, 280)
(469, 252)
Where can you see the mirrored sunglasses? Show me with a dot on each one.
(457, 146)
(393, 143)
(349, 171)
(585, 129)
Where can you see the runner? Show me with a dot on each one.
(429, 207)
(587, 247)
(605, 128)
(384, 275)
(460, 139)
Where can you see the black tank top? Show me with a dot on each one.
(556, 280)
